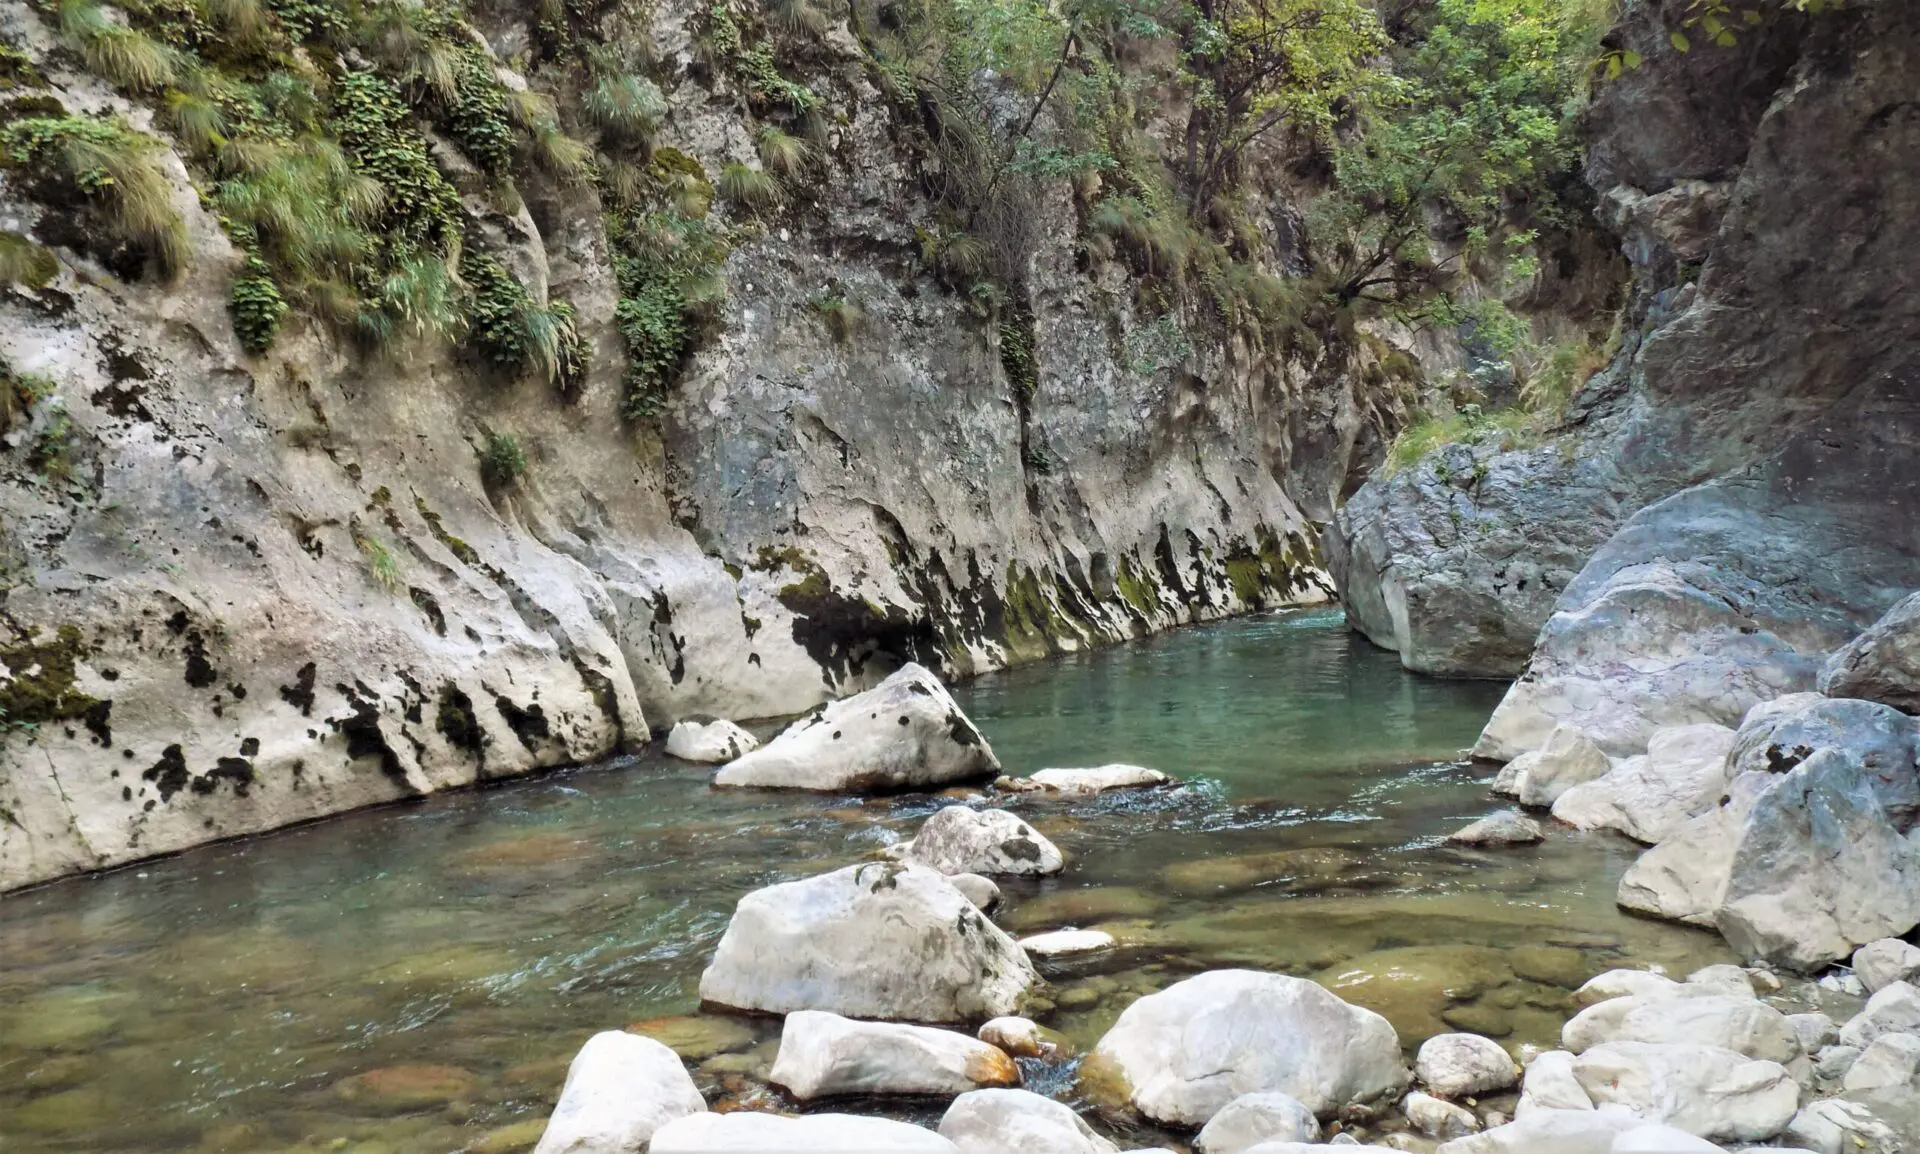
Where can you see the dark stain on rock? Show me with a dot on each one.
(98, 720)
(961, 730)
(200, 671)
(237, 770)
(177, 623)
(1020, 849)
(1782, 760)
(529, 724)
(428, 605)
(169, 775)
(361, 728)
(250, 747)
(300, 693)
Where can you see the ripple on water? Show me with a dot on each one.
(452, 955)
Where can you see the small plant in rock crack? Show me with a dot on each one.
(840, 315)
(381, 564)
(502, 462)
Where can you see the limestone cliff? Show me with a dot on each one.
(246, 590)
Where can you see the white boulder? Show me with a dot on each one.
(1508, 827)
(904, 733)
(1893, 1009)
(1623, 984)
(1891, 1061)
(1182, 1054)
(1545, 1131)
(982, 841)
(1649, 797)
(1060, 943)
(1704, 1090)
(1018, 1122)
(1538, 777)
(713, 742)
(983, 892)
(621, 1088)
(1881, 738)
(1253, 1119)
(878, 940)
(1549, 1084)
(1881, 963)
(822, 1055)
(1437, 1118)
(1658, 1139)
(746, 1132)
(1463, 1065)
(1744, 1025)
(1020, 1037)
(1081, 782)
(1681, 879)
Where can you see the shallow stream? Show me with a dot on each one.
(412, 980)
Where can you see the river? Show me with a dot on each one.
(412, 980)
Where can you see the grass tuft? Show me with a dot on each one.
(625, 107)
(123, 55)
(786, 157)
(751, 188)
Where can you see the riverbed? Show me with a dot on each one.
(412, 980)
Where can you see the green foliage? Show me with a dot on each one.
(750, 188)
(107, 168)
(668, 265)
(625, 107)
(786, 157)
(24, 262)
(257, 307)
(114, 50)
(381, 564)
(502, 462)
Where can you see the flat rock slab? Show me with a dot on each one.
(1060, 943)
(1508, 827)
(1084, 782)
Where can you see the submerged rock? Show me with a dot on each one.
(696, 1037)
(1018, 1122)
(879, 940)
(1181, 1055)
(714, 741)
(1508, 827)
(1883, 663)
(983, 841)
(745, 1132)
(404, 1089)
(904, 733)
(1649, 797)
(822, 1055)
(620, 1090)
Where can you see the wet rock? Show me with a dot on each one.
(1881, 963)
(1776, 738)
(1182, 1054)
(823, 1055)
(879, 940)
(696, 1037)
(984, 841)
(1538, 777)
(1623, 984)
(621, 1089)
(1084, 906)
(1086, 782)
(1252, 1120)
(1436, 1118)
(1415, 985)
(1560, 1131)
(1681, 879)
(713, 742)
(981, 891)
(1020, 1037)
(1893, 1009)
(1892, 1061)
(1061, 943)
(1549, 1084)
(1649, 797)
(1550, 965)
(405, 1089)
(513, 1138)
(1508, 827)
(1883, 663)
(904, 733)
(1704, 1090)
(752, 1133)
(1243, 871)
(1078, 999)
(1819, 869)
(1478, 1017)
(1018, 1122)
(1464, 1065)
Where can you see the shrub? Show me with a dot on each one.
(627, 108)
(24, 262)
(381, 565)
(257, 307)
(501, 461)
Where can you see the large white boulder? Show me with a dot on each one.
(1891, 1061)
(1549, 1084)
(1463, 1065)
(1681, 878)
(878, 940)
(822, 1055)
(1182, 1054)
(1881, 963)
(1545, 1131)
(1252, 1119)
(959, 840)
(1538, 777)
(1659, 1139)
(1882, 738)
(1649, 797)
(621, 1088)
(1083, 782)
(1704, 1090)
(712, 742)
(1624, 984)
(1744, 1025)
(1893, 1009)
(1819, 869)
(904, 733)
(745, 1132)
(1018, 1122)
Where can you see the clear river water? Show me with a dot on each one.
(412, 980)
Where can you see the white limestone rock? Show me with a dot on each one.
(983, 892)
(1744, 1025)
(1020, 1037)
(1816, 1031)
(1254, 1119)
(1437, 1118)
(1508, 827)
(1061, 943)
(711, 743)
(1018, 1122)
(1651, 796)
(1704, 1090)
(1891, 1061)
(1549, 1084)
(877, 940)
(823, 1055)
(621, 1089)
(1883, 739)
(1681, 879)
(1180, 1055)
(1658, 1139)
(1623, 984)
(1544, 1130)
(1085, 782)
(983, 841)
(1538, 777)
(1893, 1009)
(905, 733)
(1464, 1065)
(746, 1132)
(1881, 963)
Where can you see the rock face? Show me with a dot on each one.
(983, 841)
(1018, 1122)
(744, 1132)
(880, 940)
(1651, 796)
(712, 742)
(620, 1090)
(1883, 663)
(905, 733)
(823, 1055)
(1181, 1055)
(1785, 733)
